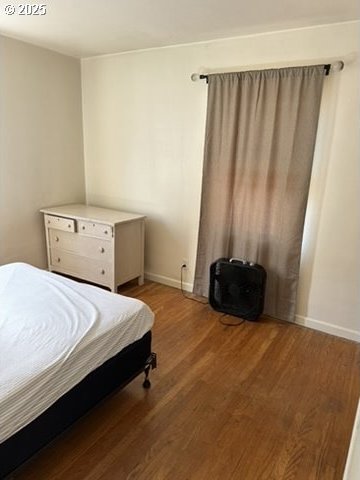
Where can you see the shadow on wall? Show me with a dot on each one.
(30, 246)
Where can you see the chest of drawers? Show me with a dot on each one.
(99, 245)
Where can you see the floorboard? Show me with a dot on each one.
(265, 400)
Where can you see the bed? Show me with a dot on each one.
(64, 346)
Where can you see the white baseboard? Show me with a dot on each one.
(171, 282)
(328, 328)
(299, 320)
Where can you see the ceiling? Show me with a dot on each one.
(84, 28)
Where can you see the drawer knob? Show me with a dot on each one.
(56, 239)
(58, 259)
(102, 272)
(83, 227)
(69, 226)
(49, 221)
(106, 232)
(102, 249)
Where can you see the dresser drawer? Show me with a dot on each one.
(94, 229)
(89, 269)
(85, 246)
(60, 223)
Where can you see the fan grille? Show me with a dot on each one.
(237, 288)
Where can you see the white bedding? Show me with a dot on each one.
(54, 332)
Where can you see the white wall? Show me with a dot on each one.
(41, 147)
(144, 124)
(352, 467)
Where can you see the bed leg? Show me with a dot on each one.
(149, 364)
(146, 382)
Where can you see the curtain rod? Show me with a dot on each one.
(337, 66)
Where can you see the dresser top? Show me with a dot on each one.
(93, 214)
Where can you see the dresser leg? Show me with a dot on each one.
(141, 280)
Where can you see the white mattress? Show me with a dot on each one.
(54, 332)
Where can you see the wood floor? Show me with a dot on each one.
(261, 401)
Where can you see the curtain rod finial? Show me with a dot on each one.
(195, 77)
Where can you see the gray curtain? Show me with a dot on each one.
(259, 145)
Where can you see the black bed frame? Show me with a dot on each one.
(113, 374)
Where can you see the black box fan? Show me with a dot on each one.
(237, 287)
